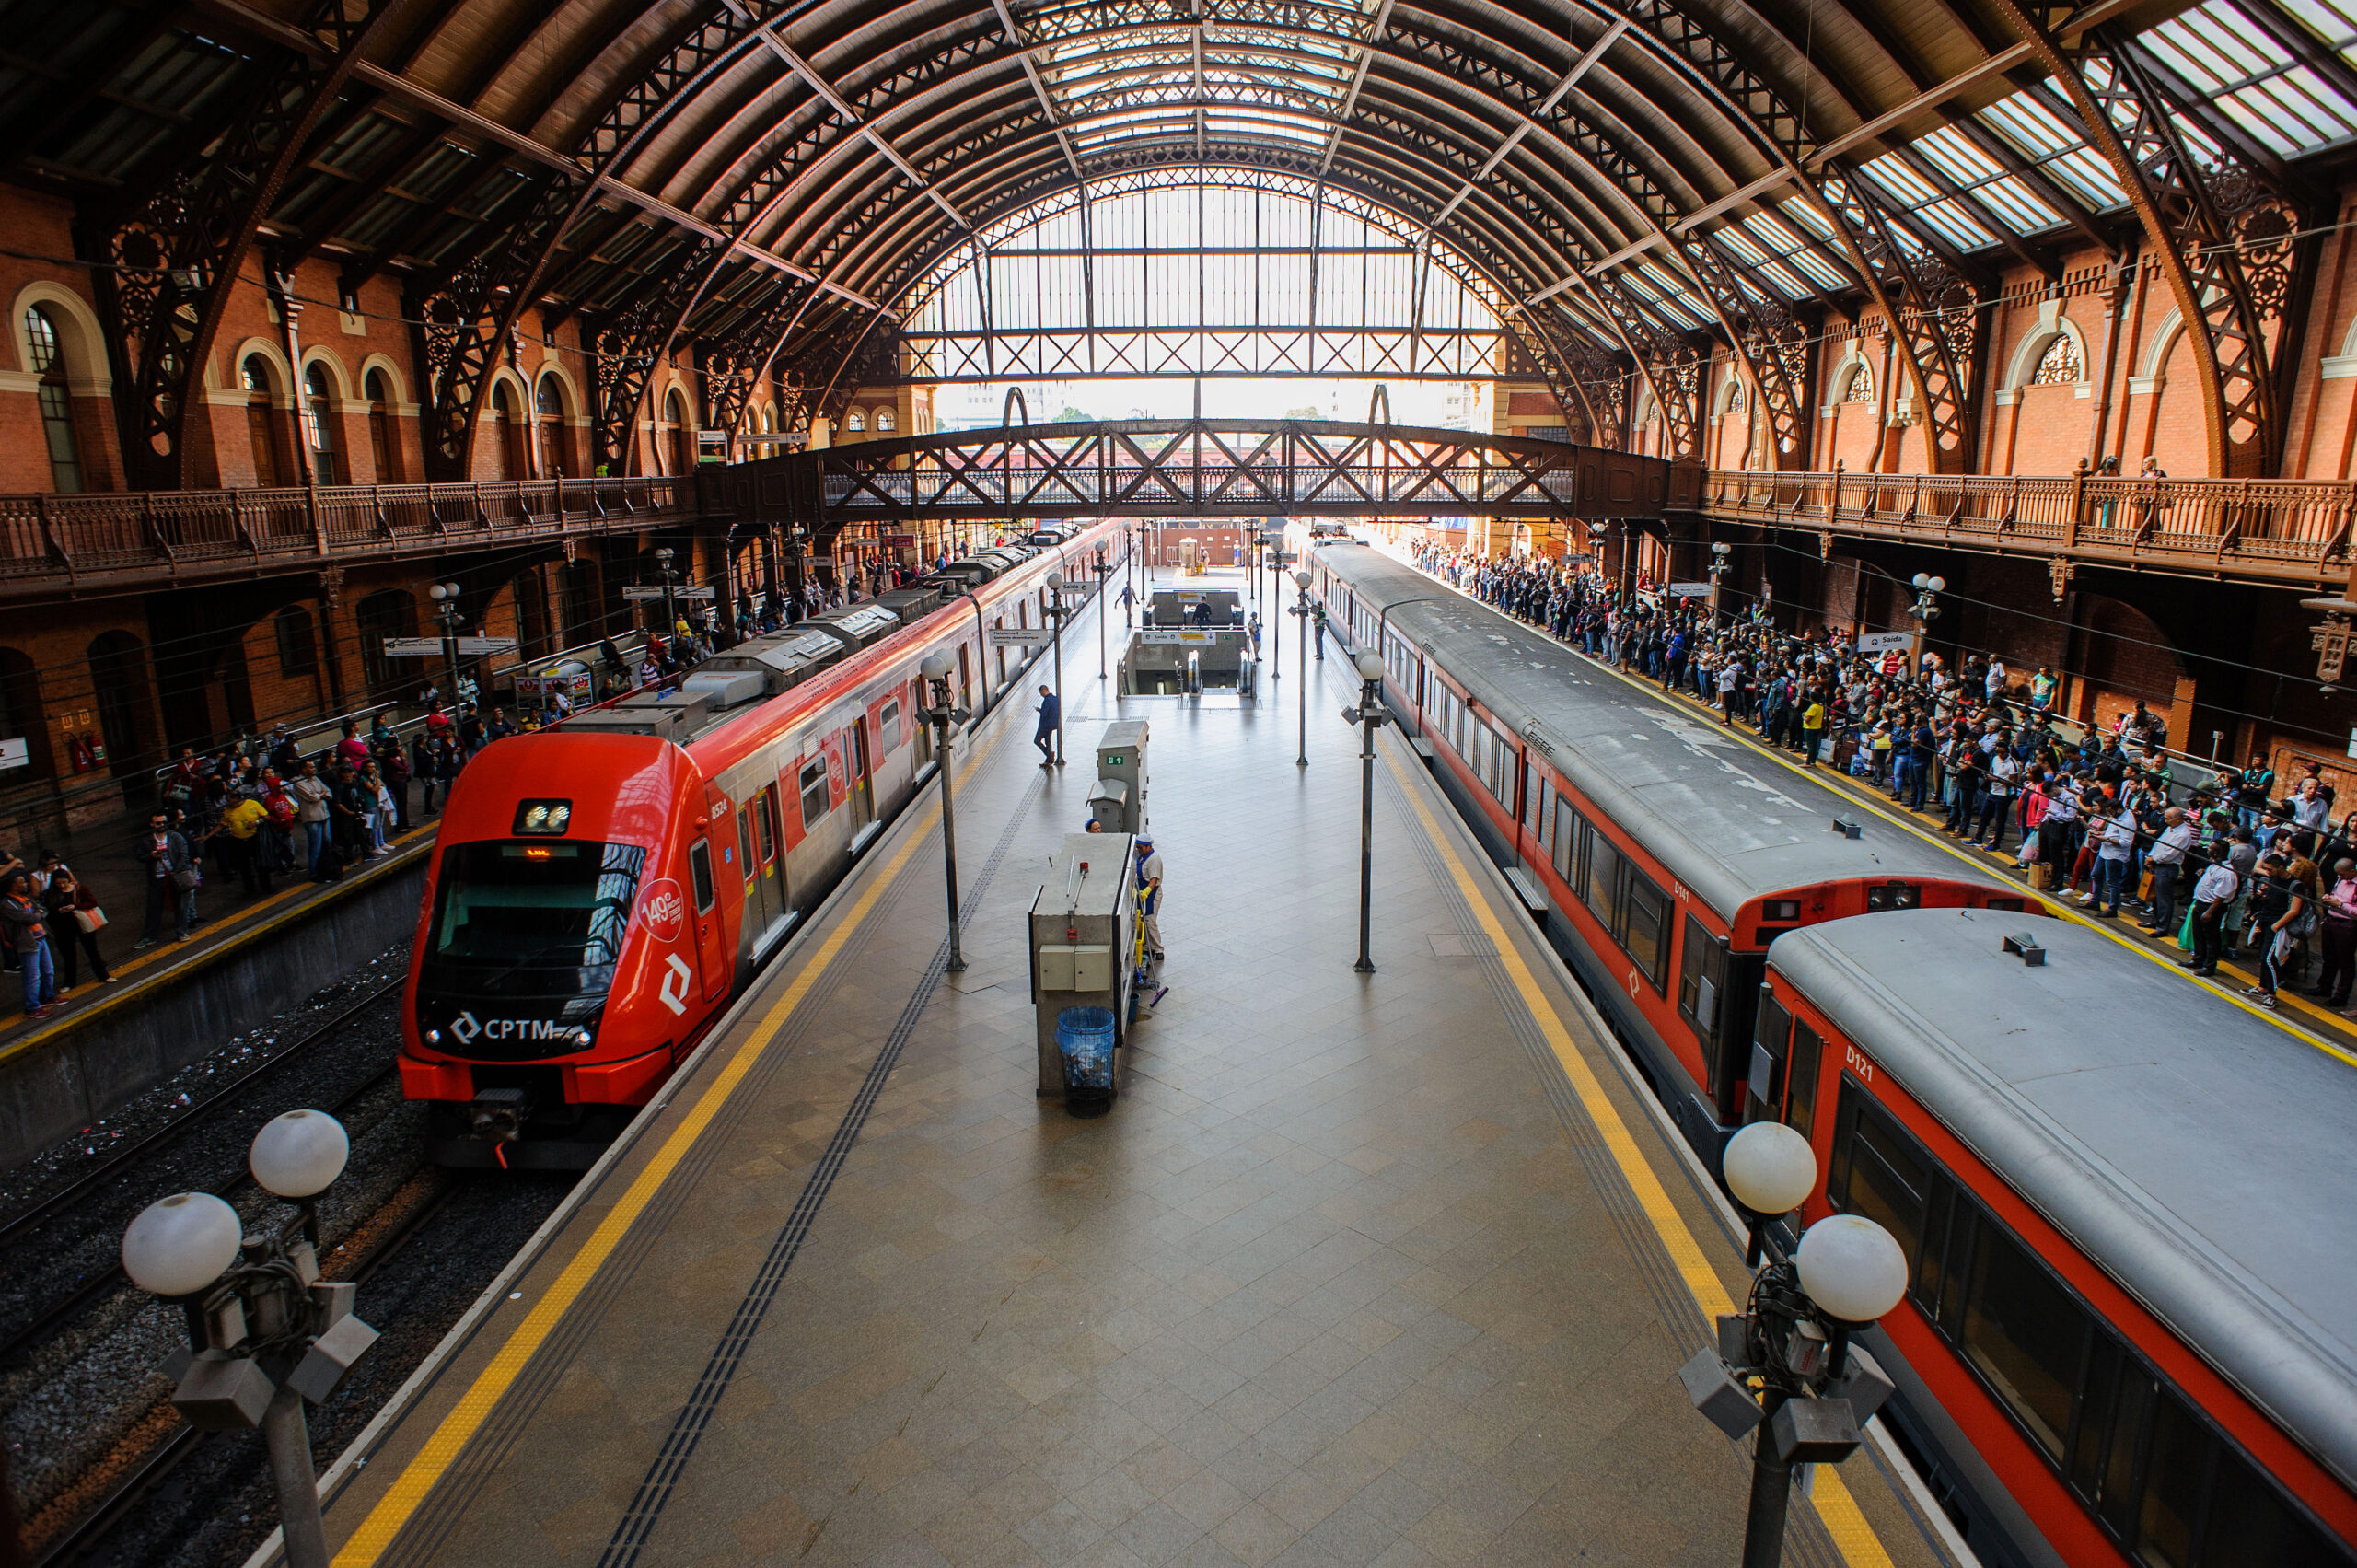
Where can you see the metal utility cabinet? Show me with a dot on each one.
(1121, 764)
(1082, 934)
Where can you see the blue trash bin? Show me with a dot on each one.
(1084, 1040)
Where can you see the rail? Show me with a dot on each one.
(2280, 531)
(47, 540)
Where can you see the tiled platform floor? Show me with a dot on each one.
(1341, 1279)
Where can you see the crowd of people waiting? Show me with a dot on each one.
(254, 811)
(2221, 859)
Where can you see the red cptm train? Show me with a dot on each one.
(600, 892)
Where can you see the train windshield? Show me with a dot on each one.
(509, 907)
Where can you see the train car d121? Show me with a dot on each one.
(2131, 1331)
(1670, 854)
(600, 892)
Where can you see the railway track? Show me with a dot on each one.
(148, 1470)
(36, 1331)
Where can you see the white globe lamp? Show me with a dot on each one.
(1851, 1268)
(1769, 1167)
(180, 1244)
(935, 667)
(1370, 664)
(1302, 579)
(300, 1154)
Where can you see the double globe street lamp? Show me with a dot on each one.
(1369, 715)
(945, 715)
(265, 1331)
(1302, 581)
(1785, 1369)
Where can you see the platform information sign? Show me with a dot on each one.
(430, 647)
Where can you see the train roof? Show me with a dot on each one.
(2199, 1154)
(1728, 824)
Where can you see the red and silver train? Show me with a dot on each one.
(1670, 855)
(600, 892)
(2131, 1335)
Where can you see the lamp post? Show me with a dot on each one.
(1785, 1369)
(1278, 562)
(446, 608)
(1055, 611)
(1302, 580)
(663, 565)
(1927, 591)
(1369, 717)
(1722, 561)
(1102, 568)
(945, 715)
(265, 1331)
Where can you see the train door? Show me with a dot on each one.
(711, 956)
(772, 849)
(862, 785)
(757, 911)
(965, 681)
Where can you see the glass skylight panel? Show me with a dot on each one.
(2334, 21)
(2226, 57)
(2043, 137)
(1953, 154)
(1923, 200)
(1787, 242)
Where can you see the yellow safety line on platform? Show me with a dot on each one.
(1835, 1506)
(483, 1396)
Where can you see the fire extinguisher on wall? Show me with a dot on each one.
(78, 751)
(98, 747)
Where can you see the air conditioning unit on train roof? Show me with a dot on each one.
(668, 715)
(781, 661)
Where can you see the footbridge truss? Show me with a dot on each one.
(1198, 468)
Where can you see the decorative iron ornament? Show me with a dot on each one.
(175, 259)
(1936, 313)
(2231, 230)
(628, 347)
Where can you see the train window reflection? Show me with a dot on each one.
(534, 905)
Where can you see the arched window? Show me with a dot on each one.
(2058, 366)
(548, 413)
(319, 423)
(384, 444)
(508, 444)
(119, 683)
(56, 400)
(389, 612)
(299, 649)
(20, 716)
(1861, 389)
(683, 437)
(855, 420)
(769, 417)
(884, 420)
(263, 424)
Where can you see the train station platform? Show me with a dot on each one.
(1360, 1270)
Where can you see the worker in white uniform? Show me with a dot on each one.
(1150, 885)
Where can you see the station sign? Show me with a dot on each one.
(1884, 642)
(1688, 590)
(430, 647)
(1200, 635)
(1019, 637)
(680, 592)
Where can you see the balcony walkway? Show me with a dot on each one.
(131, 540)
(2275, 533)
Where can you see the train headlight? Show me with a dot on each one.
(544, 819)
